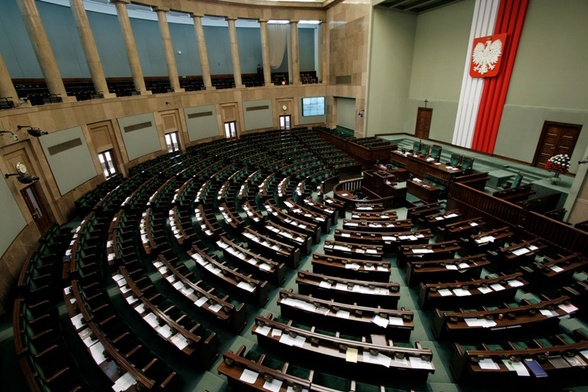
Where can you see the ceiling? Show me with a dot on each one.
(414, 6)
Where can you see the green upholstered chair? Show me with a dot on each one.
(435, 152)
(424, 150)
(416, 147)
(455, 160)
(466, 164)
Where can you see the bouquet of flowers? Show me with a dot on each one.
(558, 164)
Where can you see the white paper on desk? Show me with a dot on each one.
(372, 251)
(165, 331)
(388, 238)
(248, 376)
(124, 382)
(439, 218)
(382, 291)
(452, 215)
(263, 329)
(419, 363)
(325, 284)
(445, 292)
(473, 224)
(201, 301)
(515, 283)
(395, 321)
(178, 285)
(77, 321)
(532, 247)
(380, 321)
(276, 332)
(246, 286)
(520, 251)
(351, 355)
(463, 265)
(521, 370)
(345, 235)
(497, 286)
(131, 299)
(451, 267)
(97, 351)
(568, 308)
(461, 292)
(379, 359)
(341, 286)
(342, 314)
(556, 268)
(350, 224)
(352, 266)
(274, 385)
(548, 313)
(213, 269)
(179, 341)
(423, 251)
(488, 364)
(215, 308)
(474, 322)
(484, 290)
(584, 353)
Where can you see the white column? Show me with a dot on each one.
(90, 50)
(267, 72)
(42, 48)
(170, 59)
(235, 53)
(202, 52)
(7, 89)
(295, 52)
(133, 56)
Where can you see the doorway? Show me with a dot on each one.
(36, 206)
(556, 138)
(423, 123)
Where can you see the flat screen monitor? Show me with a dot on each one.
(313, 106)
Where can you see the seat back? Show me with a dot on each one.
(416, 146)
(517, 180)
(424, 149)
(435, 152)
(467, 163)
(455, 160)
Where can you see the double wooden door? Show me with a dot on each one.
(556, 138)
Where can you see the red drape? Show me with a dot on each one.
(510, 20)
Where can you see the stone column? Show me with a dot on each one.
(324, 64)
(133, 56)
(202, 52)
(6, 86)
(235, 53)
(295, 53)
(267, 72)
(90, 50)
(170, 59)
(42, 48)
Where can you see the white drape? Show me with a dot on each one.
(277, 36)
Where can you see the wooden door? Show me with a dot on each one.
(423, 122)
(556, 138)
(36, 205)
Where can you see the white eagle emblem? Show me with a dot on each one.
(486, 56)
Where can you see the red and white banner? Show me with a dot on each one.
(487, 55)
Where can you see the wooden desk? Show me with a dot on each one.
(467, 293)
(349, 318)
(461, 229)
(516, 254)
(362, 292)
(351, 268)
(426, 192)
(289, 236)
(318, 348)
(377, 216)
(389, 241)
(378, 226)
(487, 240)
(422, 167)
(433, 271)
(488, 324)
(355, 251)
(422, 252)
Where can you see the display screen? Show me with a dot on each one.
(313, 106)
